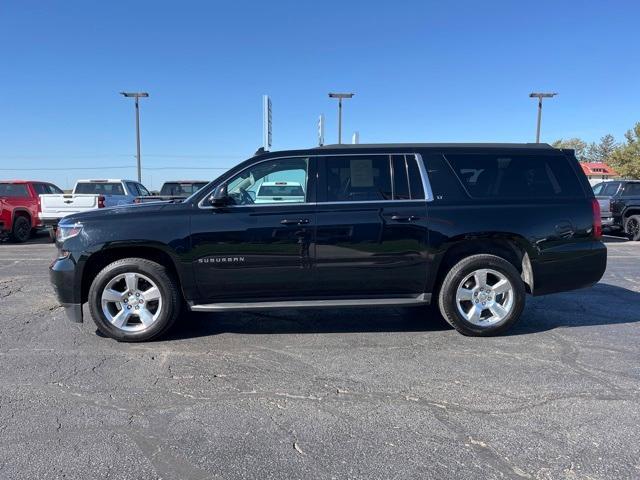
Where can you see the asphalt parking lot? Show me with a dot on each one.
(367, 393)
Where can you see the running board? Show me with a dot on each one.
(422, 299)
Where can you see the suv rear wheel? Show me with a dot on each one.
(134, 300)
(21, 229)
(632, 227)
(482, 295)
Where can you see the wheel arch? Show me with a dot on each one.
(511, 247)
(21, 212)
(100, 259)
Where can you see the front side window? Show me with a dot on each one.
(143, 190)
(278, 181)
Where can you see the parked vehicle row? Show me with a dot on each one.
(174, 190)
(20, 207)
(620, 206)
(26, 206)
(468, 228)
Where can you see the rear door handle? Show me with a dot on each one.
(300, 221)
(399, 218)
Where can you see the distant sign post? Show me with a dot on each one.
(266, 123)
(321, 130)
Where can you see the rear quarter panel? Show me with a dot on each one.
(556, 234)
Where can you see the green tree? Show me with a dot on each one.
(602, 151)
(577, 144)
(626, 158)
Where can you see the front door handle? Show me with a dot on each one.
(299, 221)
(399, 218)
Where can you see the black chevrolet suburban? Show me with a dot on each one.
(469, 228)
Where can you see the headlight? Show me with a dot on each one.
(65, 232)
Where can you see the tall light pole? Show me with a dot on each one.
(136, 96)
(540, 96)
(340, 96)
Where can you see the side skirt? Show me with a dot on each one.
(420, 299)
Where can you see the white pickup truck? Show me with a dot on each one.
(88, 195)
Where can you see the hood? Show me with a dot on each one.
(129, 211)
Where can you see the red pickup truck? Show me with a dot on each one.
(20, 206)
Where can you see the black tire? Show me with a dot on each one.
(169, 291)
(21, 231)
(632, 227)
(447, 296)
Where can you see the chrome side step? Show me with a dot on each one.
(422, 299)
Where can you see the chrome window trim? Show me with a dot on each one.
(426, 185)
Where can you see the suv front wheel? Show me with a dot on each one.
(134, 300)
(482, 295)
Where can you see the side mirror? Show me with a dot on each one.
(219, 197)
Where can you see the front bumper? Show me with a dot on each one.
(63, 275)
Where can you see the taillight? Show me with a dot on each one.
(101, 201)
(597, 219)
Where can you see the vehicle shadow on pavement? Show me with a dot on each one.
(602, 304)
(302, 321)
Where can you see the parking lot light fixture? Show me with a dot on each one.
(340, 96)
(136, 96)
(540, 96)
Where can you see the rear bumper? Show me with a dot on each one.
(63, 275)
(572, 270)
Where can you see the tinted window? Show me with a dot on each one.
(100, 188)
(632, 190)
(175, 188)
(400, 181)
(133, 189)
(41, 188)
(358, 178)
(609, 188)
(415, 180)
(143, 190)
(18, 190)
(515, 176)
(54, 189)
(243, 188)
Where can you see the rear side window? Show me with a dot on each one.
(17, 190)
(358, 178)
(362, 178)
(515, 176)
(100, 188)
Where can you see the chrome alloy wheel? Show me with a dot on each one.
(485, 297)
(132, 302)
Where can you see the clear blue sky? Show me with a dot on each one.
(421, 71)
